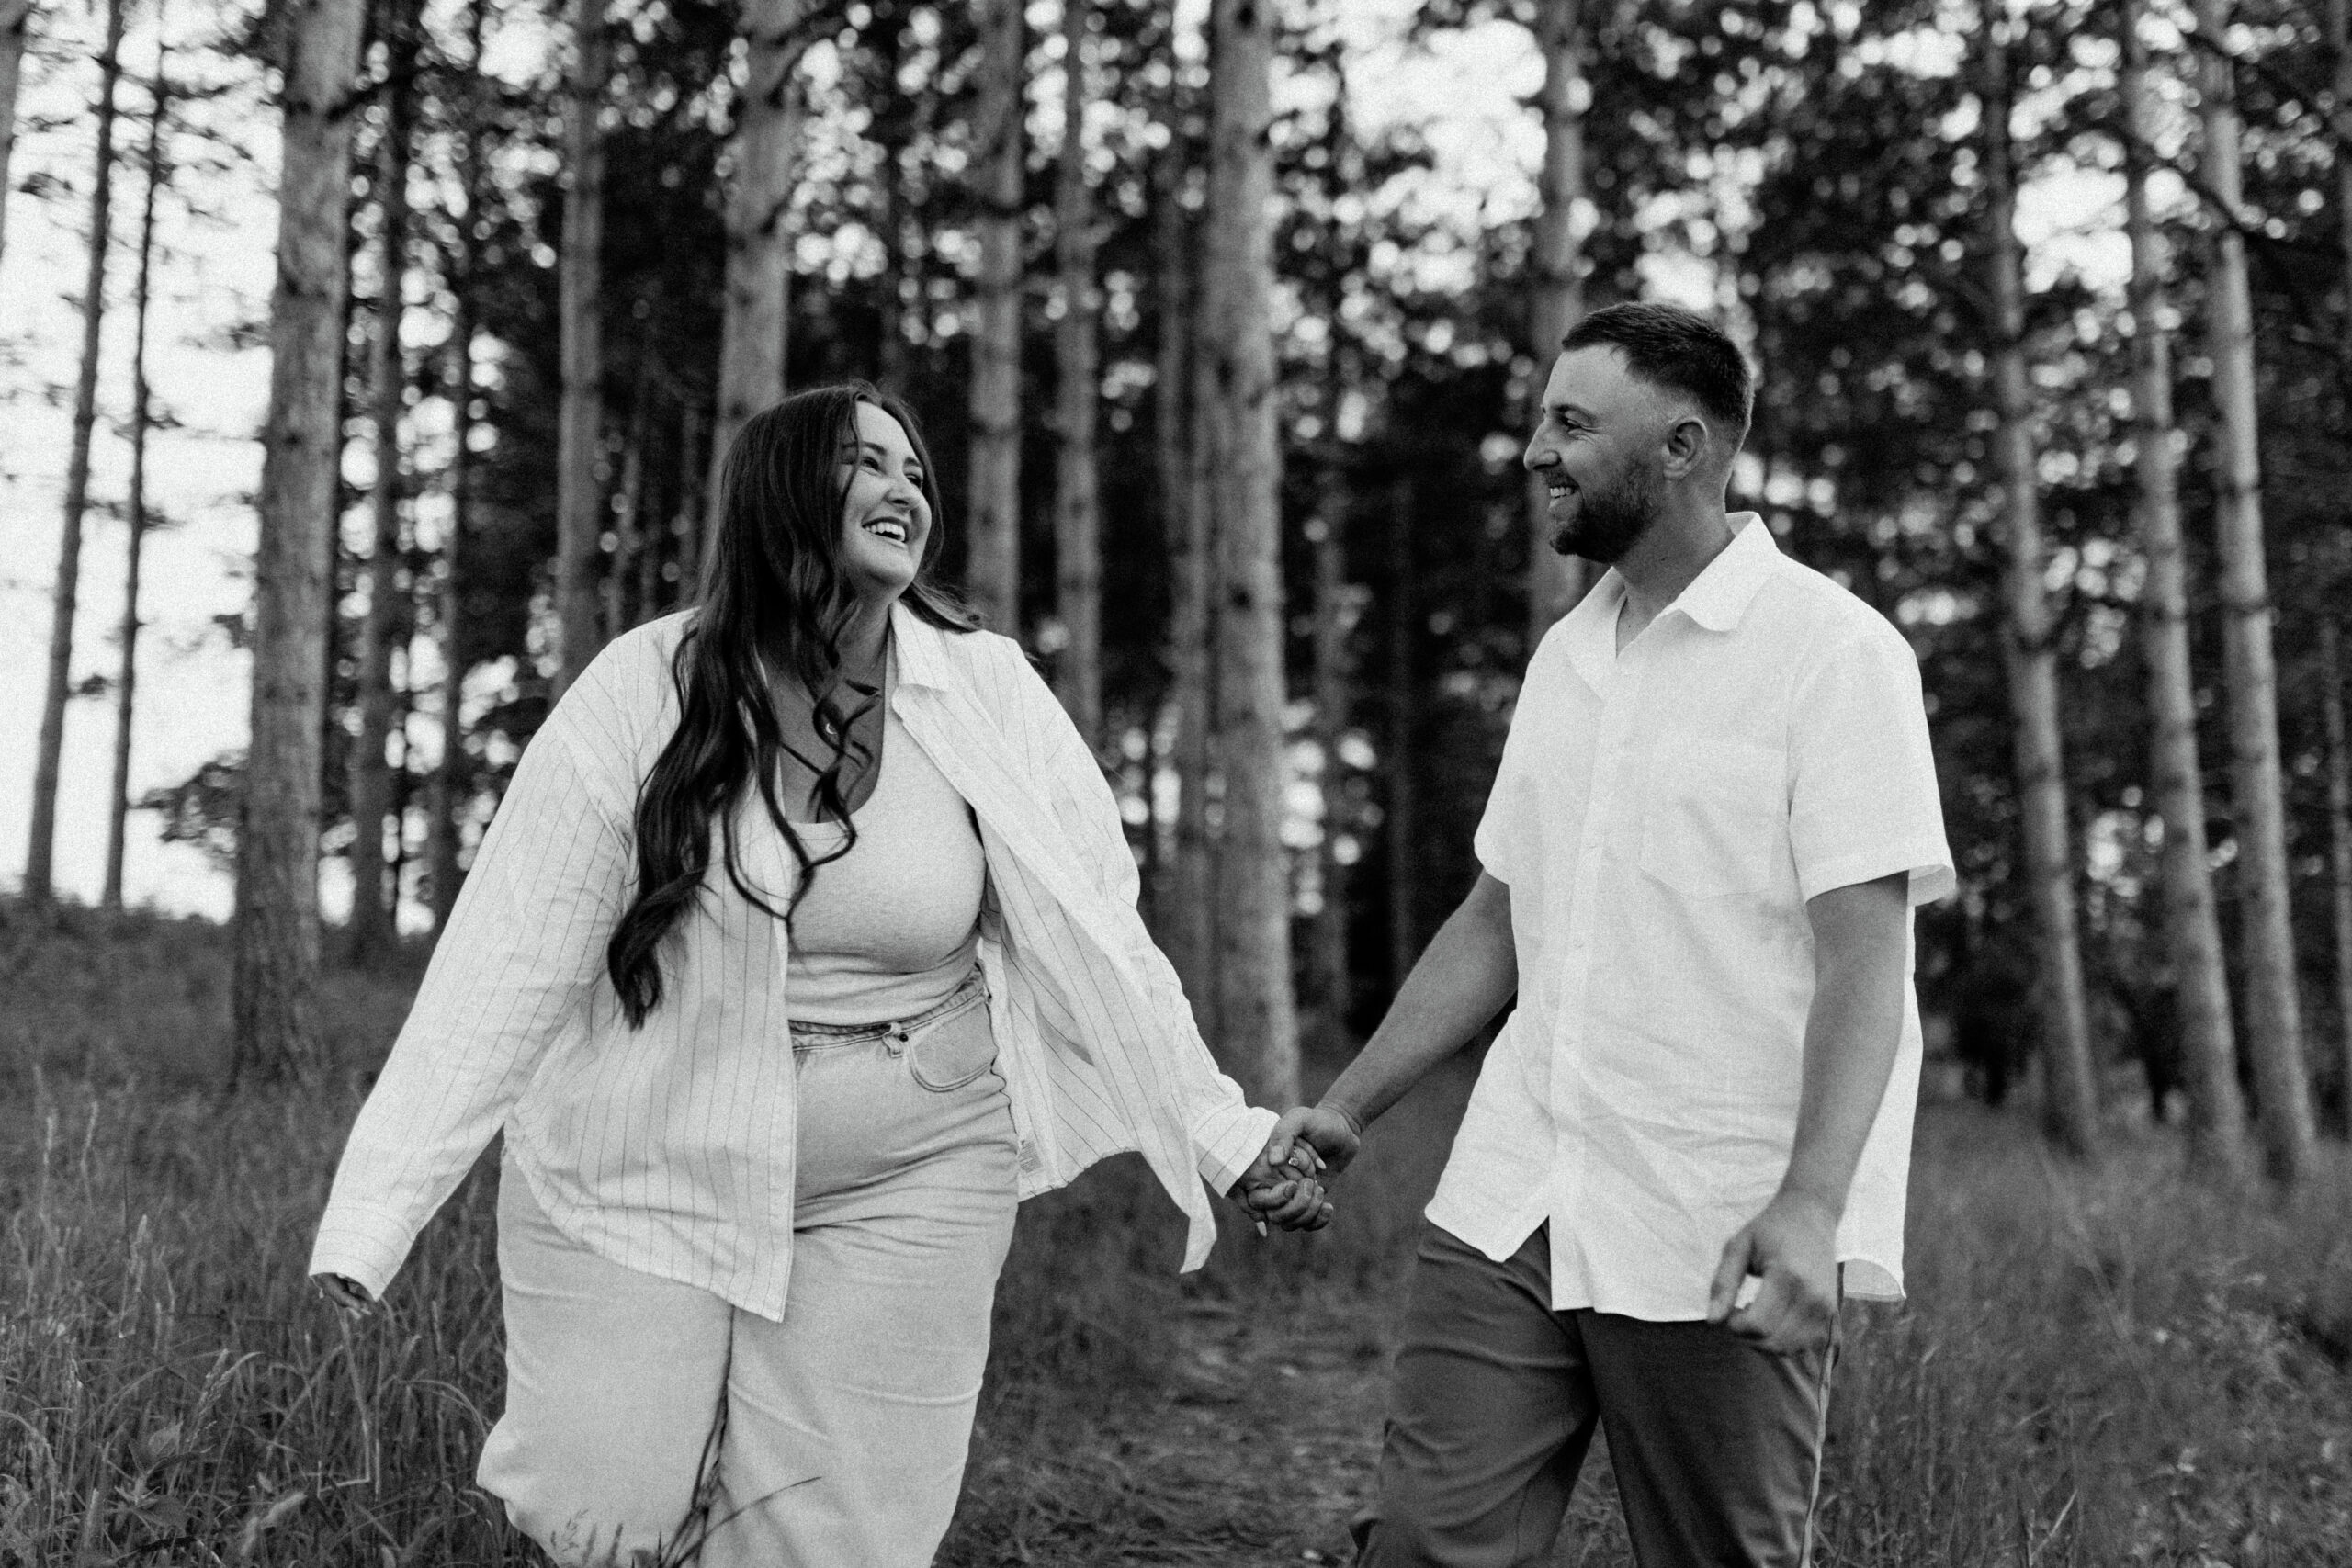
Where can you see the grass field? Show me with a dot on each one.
(2104, 1365)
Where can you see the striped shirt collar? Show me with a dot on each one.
(922, 649)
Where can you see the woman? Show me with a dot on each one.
(802, 946)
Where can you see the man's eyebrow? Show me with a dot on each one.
(1564, 407)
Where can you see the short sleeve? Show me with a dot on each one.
(1863, 802)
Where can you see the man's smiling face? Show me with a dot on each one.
(1596, 451)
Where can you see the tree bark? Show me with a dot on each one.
(274, 965)
(15, 18)
(127, 681)
(624, 606)
(2070, 1093)
(2273, 1010)
(2339, 838)
(1556, 285)
(1256, 1023)
(687, 532)
(452, 775)
(375, 882)
(1077, 544)
(1186, 921)
(1400, 822)
(755, 331)
(992, 577)
(2339, 775)
(1332, 987)
(57, 691)
(2192, 930)
(579, 512)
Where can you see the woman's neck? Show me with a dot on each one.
(867, 634)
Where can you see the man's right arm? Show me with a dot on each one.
(1464, 978)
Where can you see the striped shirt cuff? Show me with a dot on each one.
(1230, 1140)
(362, 1243)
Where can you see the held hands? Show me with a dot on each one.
(1333, 1133)
(1284, 1193)
(1285, 1186)
(1777, 1285)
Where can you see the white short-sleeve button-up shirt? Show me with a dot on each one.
(1661, 815)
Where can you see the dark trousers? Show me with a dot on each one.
(1716, 1444)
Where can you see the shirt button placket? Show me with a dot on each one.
(1614, 793)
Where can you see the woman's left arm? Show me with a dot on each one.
(1228, 1134)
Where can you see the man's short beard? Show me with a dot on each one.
(1611, 522)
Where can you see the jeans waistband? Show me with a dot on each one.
(973, 989)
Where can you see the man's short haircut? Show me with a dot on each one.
(1668, 346)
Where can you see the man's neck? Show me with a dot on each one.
(1668, 557)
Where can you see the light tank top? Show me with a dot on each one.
(892, 928)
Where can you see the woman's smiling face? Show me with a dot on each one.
(885, 519)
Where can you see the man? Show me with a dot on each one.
(1715, 813)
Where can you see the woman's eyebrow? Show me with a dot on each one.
(878, 450)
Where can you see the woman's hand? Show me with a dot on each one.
(344, 1292)
(1289, 1194)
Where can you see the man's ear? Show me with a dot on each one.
(1687, 441)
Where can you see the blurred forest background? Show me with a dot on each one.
(1228, 373)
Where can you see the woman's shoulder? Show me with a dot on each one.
(627, 692)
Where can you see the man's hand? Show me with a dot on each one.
(1331, 1131)
(1790, 1252)
(1283, 1191)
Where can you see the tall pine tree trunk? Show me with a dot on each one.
(2273, 1010)
(685, 532)
(1332, 987)
(623, 605)
(1401, 821)
(579, 512)
(2339, 766)
(1555, 287)
(757, 312)
(1186, 926)
(2339, 834)
(994, 575)
(126, 684)
(1077, 544)
(1257, 1030)
(2070, 1091)
(57, 691)
(2192, 931)
(15, 18)
(452, 775)
(375, 885)
(274, 965)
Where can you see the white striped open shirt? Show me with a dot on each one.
(669, 1148)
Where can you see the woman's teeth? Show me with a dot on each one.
(888, 528)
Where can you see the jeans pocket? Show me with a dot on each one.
(954, 1051)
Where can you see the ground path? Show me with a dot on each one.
(1256, 1446)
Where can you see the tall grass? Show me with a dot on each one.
(2104, 1365)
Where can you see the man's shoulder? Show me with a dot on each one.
(1815, 612)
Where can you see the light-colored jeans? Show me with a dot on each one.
(647, 1418)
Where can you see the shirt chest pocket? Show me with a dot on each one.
(1714, 822)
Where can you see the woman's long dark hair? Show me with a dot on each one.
(775, 599)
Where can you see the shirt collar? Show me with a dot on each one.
(1716, 599)
(1721, 594)
(922, 649)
